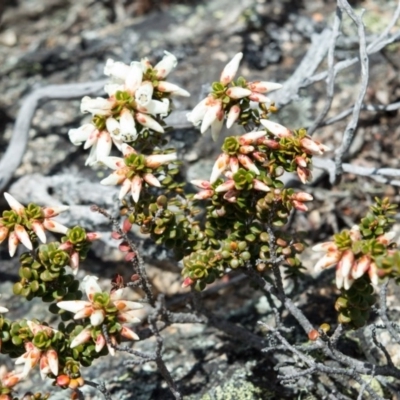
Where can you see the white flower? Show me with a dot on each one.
(229, 98)
(123, 173)
(166, 65)
(95, 310)
(19, 234)
(97, 106)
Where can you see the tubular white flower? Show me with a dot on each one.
(151, 180)
(116, 69)
(127, 123)
(175, 90)
(233, 115)
(197, 114)
(54, 226)
(263, 86)
(166, 65)
(97, 106)
(149, 122)
(229, 72)
(237, 92)
(23, 236)
(213, 109)
(144, 93)
(217, 124)
(134, 77)
(113, 126)
(155, 107)
(14, 204)
(260, 98)
(248, 163)
(83, 337)
(276, 129)
(155, 160)
(81, 134)
(125, 188)
(220, 166)
(136, 188)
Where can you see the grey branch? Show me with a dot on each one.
(17, 146)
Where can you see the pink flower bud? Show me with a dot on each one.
(302, 196)
(276, 129)
(155, 160)
(258, 185)
(272, 144)
(304, 174)
(238, 92)
(360, 267)
(136, 188)
(263, 86)
(310, 147)
(187, 282)
(213, 110)
(231, 196)
(328, 260)
(260, 157)
(151, 180)
(167, 87)
(224, 187)
(149, 122)
(259, 98)
(346, 262)
(220, 166)
(251, 137)
(14, 204)
(230, 69)
(126, 226)
(129, 334)
(201, 183)
(92, 236)
(204, 194)
(233, 115)
(246, 149)
(298, 205)
(3, 233)
(234, 165)
(166, 65)
(301, 162)
(373, 273)
(248, 164)
(23, 236)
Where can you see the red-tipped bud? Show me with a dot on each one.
(251, 137)
(187, 282)
(301, 162)
(126, 225)
(246, 149)
(310, 147)
(63, 380)
(233, 115)
(302, 196)
(91, 236)
(115, 235)
(248, 164)
(238, 92)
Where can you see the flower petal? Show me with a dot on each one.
(229, 72)
(73, 306)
